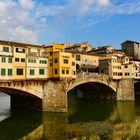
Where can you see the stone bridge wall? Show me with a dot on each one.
(53, 93)
(82, 78)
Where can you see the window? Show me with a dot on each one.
(66, 61)
(31, 61)
(10, 59)
(50, 53)
(55, 71)
(41, 71)
(19, 71)
(73, 72)
(3, 59)
(55, 60)
(17, 59)
(43, 62)
(78, 57)
(125, 66)
(73, 63)
(67, 71)
(3, 72)
(126, 59)
(126, 74)
(32, 72)
(22, 60)
(9, 72)
(20, 50)
(63, 71)
(5, 49)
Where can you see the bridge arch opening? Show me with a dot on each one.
(94, 90)
(22, 99)
(86, 99)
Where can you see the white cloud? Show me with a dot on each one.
(103, 2)
(24, 20)
(48, 11)
(18, 23)
(27, 4)
(90, 12)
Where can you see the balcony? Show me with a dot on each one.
(6, 53)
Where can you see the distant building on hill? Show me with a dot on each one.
(132, 49)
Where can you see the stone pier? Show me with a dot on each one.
(55, 97)
(125, 90)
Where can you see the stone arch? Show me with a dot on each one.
(21, 98)
(91, 81)
(14, 91)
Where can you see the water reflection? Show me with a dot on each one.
(55, 126)
(105, 120)
(126, 111)
(19, 124)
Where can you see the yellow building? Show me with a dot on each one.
(19, 61)
(63, 65)
(6, 60)
(51, 49)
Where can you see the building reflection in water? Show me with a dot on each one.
(34, 125)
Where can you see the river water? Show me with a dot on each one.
(85, 120)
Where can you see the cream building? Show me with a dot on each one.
(116, 67)
(136, 69)
(37, 63)
(19, 61)
(6, 61)
(85, 62)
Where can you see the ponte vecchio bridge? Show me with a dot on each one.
(51, 94)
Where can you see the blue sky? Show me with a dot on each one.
(100, 22)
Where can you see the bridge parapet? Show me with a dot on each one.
(82, 78)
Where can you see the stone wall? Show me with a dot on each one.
(125, 90)
(55, 98)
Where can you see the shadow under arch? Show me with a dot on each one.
(137, 88)
(94, 90)
(22, 99)
(87, 107)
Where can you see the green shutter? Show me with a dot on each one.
(9, 72)
(5, 49)
(41, 71)
(3, 59)
(10, 60)
(32, 72)
(3, 72)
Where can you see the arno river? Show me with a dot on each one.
(85, 120)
